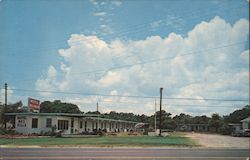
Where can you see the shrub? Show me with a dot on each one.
(59, 134)
(145, 133)
(225, 130)
(4, 131)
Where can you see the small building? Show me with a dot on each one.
(193, 127)
(246, 123)
(236, 127)
(28, 123)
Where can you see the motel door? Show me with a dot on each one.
(72, 126)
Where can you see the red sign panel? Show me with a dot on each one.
(33, 104)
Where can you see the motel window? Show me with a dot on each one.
(48, 123)
(63, 125)
(80, 124)
(85, 126)
(72, 122)
(34, 123)
(93, 125)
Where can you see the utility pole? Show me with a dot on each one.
(155, 115)
(5, 104)
(97, 107)
(160, 109)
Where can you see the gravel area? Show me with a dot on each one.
(220, 141)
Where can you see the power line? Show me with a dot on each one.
(102, 71)
(149, 102)
(194, 105)
(168, 104)
(132, 96)
(160, 59)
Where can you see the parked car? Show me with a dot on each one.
(241, 133)
(246, 133)
(237, 133)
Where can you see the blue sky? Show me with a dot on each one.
(50, 45)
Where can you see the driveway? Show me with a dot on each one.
(220, 141)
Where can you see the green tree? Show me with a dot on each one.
(215, 121)
(11, 108)
(125, 116)
(200, 119)
(93, 112)
(1, 114)
(58, 107)
(183, 119)
(238, 115)
(15, 107)
(167, 122)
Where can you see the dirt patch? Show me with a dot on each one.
(219, 141)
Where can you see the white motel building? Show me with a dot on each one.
(28, 123)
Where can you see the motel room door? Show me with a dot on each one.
(72, 126)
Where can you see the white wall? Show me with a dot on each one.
(245, 125)
(24, 124)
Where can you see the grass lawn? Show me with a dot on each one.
(174, 140)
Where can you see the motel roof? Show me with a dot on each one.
(85, 116)
(234, 124)
(110, 120)
(246, 120)
(51, 114)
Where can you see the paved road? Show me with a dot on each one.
(122, 153)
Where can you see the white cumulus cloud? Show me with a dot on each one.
(117, 3)
(193, 66)
(99, 13)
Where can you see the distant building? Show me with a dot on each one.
(246, 123)
(28, 123)
(236, 127)
(193, 127)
